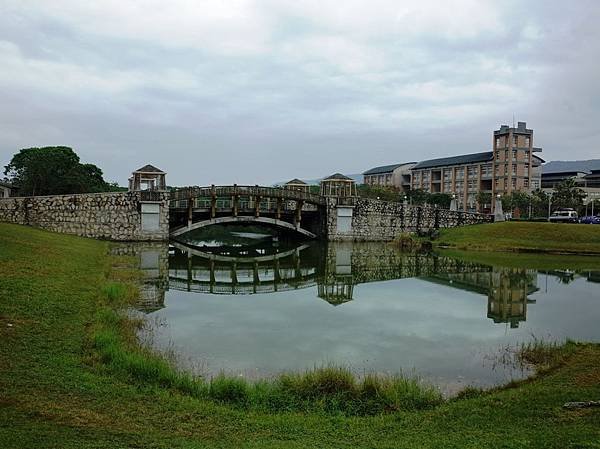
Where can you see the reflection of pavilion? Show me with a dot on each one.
(153, 262)
(337, 284)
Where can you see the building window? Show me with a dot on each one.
(497, 142)
(506, 169)
(514, 183)
(515, 141)
(514, 169)
(505, 155)
(497, 155)
(526, 183)
(527, 141)
(514, 155)
(526, 171)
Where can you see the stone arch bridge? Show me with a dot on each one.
(309, 214)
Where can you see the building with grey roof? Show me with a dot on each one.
(510, 166)
(394, 175)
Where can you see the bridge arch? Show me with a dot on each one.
(240, 219)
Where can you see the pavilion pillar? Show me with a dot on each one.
(190, 208)
(257, 200)
(213, 202)
(298, 213)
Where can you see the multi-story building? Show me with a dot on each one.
(510, 166)
(585, 173)
(395, 175)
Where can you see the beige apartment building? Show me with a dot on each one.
(511, 166)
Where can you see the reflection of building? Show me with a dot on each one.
(507, 290)
(508, 295)
(153, 262)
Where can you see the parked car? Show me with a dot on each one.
(590, 219)
(563, 216)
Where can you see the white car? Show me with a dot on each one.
(564, 216)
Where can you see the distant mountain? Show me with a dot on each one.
(570, 166)
(358, 178)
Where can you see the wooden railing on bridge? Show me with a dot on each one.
(194, 192)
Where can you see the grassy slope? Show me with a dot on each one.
(523, 236)
(54, 393)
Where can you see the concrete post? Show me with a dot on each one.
(498, 212)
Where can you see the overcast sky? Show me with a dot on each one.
(262, 91)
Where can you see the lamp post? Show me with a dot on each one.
(405, 200)
(549, 202)
(585, 199)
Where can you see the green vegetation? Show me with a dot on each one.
(73, 376)
(54, 171)
(524, 236)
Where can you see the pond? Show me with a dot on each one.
(264, 306)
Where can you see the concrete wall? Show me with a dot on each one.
(112, 216)
(374, 220)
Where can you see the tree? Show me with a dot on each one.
(441, 199)
(539, 203)
(417, 196)
(385, 193)
(53, 171)
(567, 194)
(484, 199)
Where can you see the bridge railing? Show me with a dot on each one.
(240, 190)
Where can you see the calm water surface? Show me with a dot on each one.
(259, 308)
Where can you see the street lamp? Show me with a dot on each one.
(585, 199)
(549, 202)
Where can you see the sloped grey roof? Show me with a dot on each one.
(338, 176)
(571, 166)
(296, 181)
(385, 168)
(149, 169)
(456, 160)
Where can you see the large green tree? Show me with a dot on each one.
(567, 194)
(53, 171)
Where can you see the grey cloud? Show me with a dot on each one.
(310, 95)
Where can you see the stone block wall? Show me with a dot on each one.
(111, 216)
(375, 220)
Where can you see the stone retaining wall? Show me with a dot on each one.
(374, 220)
(111, 216)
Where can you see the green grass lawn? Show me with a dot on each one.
(56, 391)
(524, 236)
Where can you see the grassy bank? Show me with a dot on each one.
(524, 236)
(72, 376)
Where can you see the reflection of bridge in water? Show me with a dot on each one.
(194, 270)
(335, 270)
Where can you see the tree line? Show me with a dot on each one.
(54, 171)
(566, 194)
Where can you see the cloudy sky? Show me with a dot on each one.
(262, 91)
